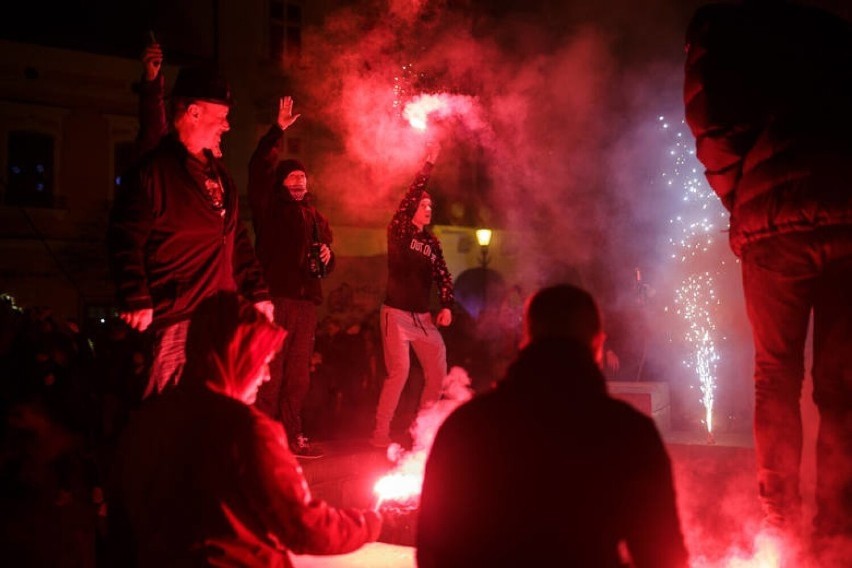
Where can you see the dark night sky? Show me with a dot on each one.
(109, 27)
(642, 27)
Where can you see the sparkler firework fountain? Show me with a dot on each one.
(697, 256)
(693, 242)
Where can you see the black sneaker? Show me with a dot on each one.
(301, 448)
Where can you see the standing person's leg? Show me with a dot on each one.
(168, 359)
(269, 394)
(432, 354)
(832, 374)
(778, 285)
(302, 325)
(395, 342)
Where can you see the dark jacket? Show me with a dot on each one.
(548, 470)
(202, 479)
(768, 95)
(415, 258)
(284, 227)
(168, 247)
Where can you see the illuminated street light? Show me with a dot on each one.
(483, 237)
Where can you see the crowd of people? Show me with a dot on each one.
(77, 411)
(85, 456)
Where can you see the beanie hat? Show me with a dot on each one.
(202, 83)
(288, 166)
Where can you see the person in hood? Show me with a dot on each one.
(203, 478)
(548, 469)
(293, 241)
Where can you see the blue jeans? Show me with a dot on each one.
(786, 279)
(290, 376)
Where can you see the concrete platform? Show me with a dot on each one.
(651, 398)
(373, 555)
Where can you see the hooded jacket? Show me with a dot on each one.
(284, 227)
(202, 478)
(415, 257)
(548, 470)
(169, 248)
(205, 480)
(768, 97)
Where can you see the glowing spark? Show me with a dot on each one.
(403, 486)
(768, 552)
(421, 108)
(401, 86)
(417, 111)
(10, 302)
(696, 298)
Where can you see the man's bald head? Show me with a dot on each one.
(564, 311)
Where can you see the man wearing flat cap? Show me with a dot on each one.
(293, 243)
(175, 237)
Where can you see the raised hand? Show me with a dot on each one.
(267, 308)
(152, 60)
(325, 253)
(432, 151)
(138, 319)
(285, 113)
(444, 318)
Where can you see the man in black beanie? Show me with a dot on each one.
(293, 244)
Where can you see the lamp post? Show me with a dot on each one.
(483, 237)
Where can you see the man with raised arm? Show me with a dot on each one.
(415, 263)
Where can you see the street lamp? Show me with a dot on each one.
(483, 237)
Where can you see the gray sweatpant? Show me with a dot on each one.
(399, 330)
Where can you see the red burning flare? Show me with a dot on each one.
(402, 486)
(421, 108)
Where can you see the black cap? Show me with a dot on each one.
(288, 166)
(202, 84)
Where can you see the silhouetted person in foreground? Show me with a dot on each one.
(548, 469)
(768, 94)
(204, 478)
